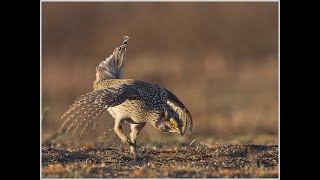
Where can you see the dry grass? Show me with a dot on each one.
(222, 101)
(194, 161)
(220, 59)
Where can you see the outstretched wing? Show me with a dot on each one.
(89, 107)
(181, 109)
(113, 66)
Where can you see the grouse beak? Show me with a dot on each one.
(180, 131)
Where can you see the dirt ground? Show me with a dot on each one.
(161, 161)
(219, 59)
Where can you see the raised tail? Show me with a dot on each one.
(113, 66)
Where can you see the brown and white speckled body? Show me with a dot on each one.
(127, 100)
(132, 101)
(148, 108)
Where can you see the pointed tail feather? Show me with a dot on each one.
(113, 66)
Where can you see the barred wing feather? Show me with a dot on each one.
(89, 107)
(180, 108)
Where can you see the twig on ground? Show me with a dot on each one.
(191, 143)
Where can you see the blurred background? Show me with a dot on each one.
(220, 59)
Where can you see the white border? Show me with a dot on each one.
(161, 1)
(41, 89)
(278, 1)
(279, 89)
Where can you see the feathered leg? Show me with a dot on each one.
(118, 130)
(135, 129)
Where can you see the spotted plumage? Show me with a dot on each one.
(127, 100)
